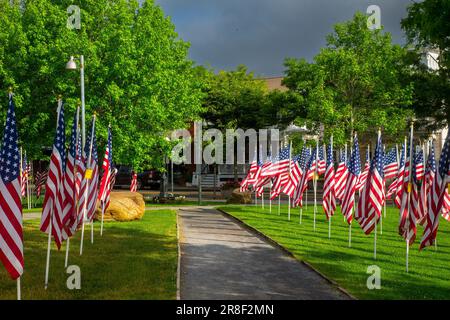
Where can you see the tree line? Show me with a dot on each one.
(140, 80)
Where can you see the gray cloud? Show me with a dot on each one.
(262, 33)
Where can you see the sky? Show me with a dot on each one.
(262, 33)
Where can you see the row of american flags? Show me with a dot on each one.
(415, 183)
(72, 186)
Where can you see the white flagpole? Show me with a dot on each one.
(301, 215)
(306, 191)
(329, 219)
(350, 235)
(270, 197)
(376, 222)
(67, 252)
(92, 230)
(315, 182)
(279, 204)
(66, 263)
(103, 213)
(409, 190)
(354, 201)
(375, 241)
(49, 242)
(86, 189)
(306, 199)
(262, 199)
(19, 295)
(289, 198)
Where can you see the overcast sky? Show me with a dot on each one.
(262, 33)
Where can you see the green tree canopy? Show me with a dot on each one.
(427, 27)
(234, 99)
(354, 83)
(138, 77)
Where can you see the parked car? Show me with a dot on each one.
(147, 179)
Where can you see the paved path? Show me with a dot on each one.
(222, 260)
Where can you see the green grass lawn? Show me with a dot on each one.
(133, 260)
(429, 270)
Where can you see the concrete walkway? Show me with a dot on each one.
(222, 260)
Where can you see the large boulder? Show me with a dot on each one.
(239, 197)
(124, 206)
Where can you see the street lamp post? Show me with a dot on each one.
(71, 65)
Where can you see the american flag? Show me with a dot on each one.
(93, 165)
(437, 196)
(52, 211)
(105, 184)
(318, 164)
(419, 167)
(294, 177)
(354, 169)
(80, 180)
(329, 196)
(408, 210)
(11, 231)
(113, 178)
(418, 175)
(371, 200)
(306, 177)
(245, 183)
(390, 164)
(363, 177)
(133, 186)
(402, 171)
(259, 180)
(279, 165)
(340, 176)
(425, 194)
(25, 173)
(69, 218)
(39, 182)
(446, 206)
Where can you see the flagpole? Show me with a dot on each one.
(354, 201)
(306, 191)
(409, 191)
(315, 182)
(103, 213)
(92, 230)
(376, 220)
(384, 187)
(66, 263)
(270, 196)
(49, 241)
(329, 220)
(289, 198)
(67, 252)
(19, 295)
(87, 187)
(279, 204)
(262, 199)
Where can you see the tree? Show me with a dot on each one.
(354, 83)
(138, 77)
(427, 27)
(234, 99)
